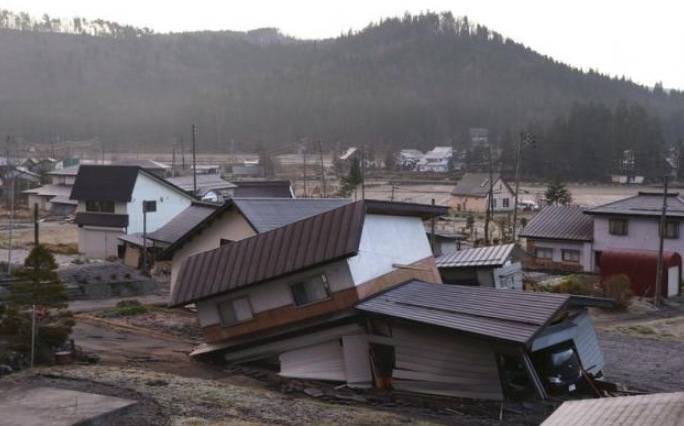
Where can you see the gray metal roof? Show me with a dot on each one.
(643, 204)
(663, 409)
(560, 223)
(481, 256)
(265, 214)
(67, 171)
(205, 183)
(263, 189)
(474, 184)
(183, 222)
(512, 315)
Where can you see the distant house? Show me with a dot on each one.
(110, 204)
(471, 193)
(494, 266)
(289, 293)
(263, 189)
(154, 167)
(39, 165)
(479, 137)
(237, 219)
(247, 171)
(437, 161)
(560, 238)
(408, 158)
(210, 187)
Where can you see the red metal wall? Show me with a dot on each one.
(641, 268)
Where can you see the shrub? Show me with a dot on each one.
(617, 287)
(128, 311)
(128, 302)
(572, 284)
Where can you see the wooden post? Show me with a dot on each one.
(36, 231)
(432, 230)
(659, 271)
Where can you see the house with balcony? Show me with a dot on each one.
(110, 204)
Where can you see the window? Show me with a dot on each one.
(617, 226)
(149, 206)
(311, 290)
(543, 253)
(671, 229)
(235, 311)
(100, 206)
(506, 203)
(571, 256)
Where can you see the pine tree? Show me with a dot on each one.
(353, 179)
(557, 193)
(40, 285)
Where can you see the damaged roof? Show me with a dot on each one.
(481, 256)
(183, 222)
(329, 236)
(560, 223)
(511, 315)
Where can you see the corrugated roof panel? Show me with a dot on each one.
(511, 315)
(481, 256)
(560, 223)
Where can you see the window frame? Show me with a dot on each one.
(549, 249)
(506, 203)
(676, 229)
(625, 228)
(222, 321)
(99, 206)
(564, 251)
(326, 286)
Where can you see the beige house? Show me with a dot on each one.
(471, 193)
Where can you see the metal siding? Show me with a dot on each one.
(587, 344)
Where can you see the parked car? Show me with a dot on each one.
(559, 369)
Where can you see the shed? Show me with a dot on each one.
(493, 266)
(641, 267)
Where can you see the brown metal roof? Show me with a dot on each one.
(663, 409)
(332, 235)
(512, 315)
(481, 256)
(105, 220)
(560, 223)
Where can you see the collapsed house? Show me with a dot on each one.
(353, 295)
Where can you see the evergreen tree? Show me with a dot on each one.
(265, 161)
(40, 285)
(557, 193)
(390, 161)
(349, 183)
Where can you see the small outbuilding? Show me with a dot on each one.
(641, 266)
(493, 266)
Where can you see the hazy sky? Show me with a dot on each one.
(641, 40)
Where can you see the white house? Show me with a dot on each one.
(110, 204)
(436, 160)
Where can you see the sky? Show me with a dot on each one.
(643, 41)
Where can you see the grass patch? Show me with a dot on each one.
(129, 311)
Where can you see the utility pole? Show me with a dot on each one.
(661, 243)
(173, 160)
(36, 230)
(363, 174)
(10, 178)
(194, 163)
(490, 197)
(392, 196)
(432, 230)
(305, 177)
(320, 153)
(182, 154)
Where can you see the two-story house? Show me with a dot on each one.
(110, 204)
(295, 286)
(471, 193)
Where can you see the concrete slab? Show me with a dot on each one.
(57, 407)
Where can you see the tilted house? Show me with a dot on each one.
(237, 219)
(465, 341)
(288, 294)
(560, 238)
(493, 266)
(110, 204)
(471, 193)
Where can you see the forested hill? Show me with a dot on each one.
(416, 81)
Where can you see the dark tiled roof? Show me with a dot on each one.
(481, 256)
(181, 224)
(265, 214)
(263, 189)
(105, 183)
(474, 184)
(511, 315)
(332, 235)
(643, 204)
(560, 223)
(105, 220)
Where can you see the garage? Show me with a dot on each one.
(641, 266)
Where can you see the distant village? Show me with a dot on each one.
(306, 266)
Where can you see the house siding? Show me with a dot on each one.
(585, 264)
(170, 203)
(466, 203)
(642, 234)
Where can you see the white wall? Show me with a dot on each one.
(169, 204)
(385, 241)
(276, 293)
(642, 234)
